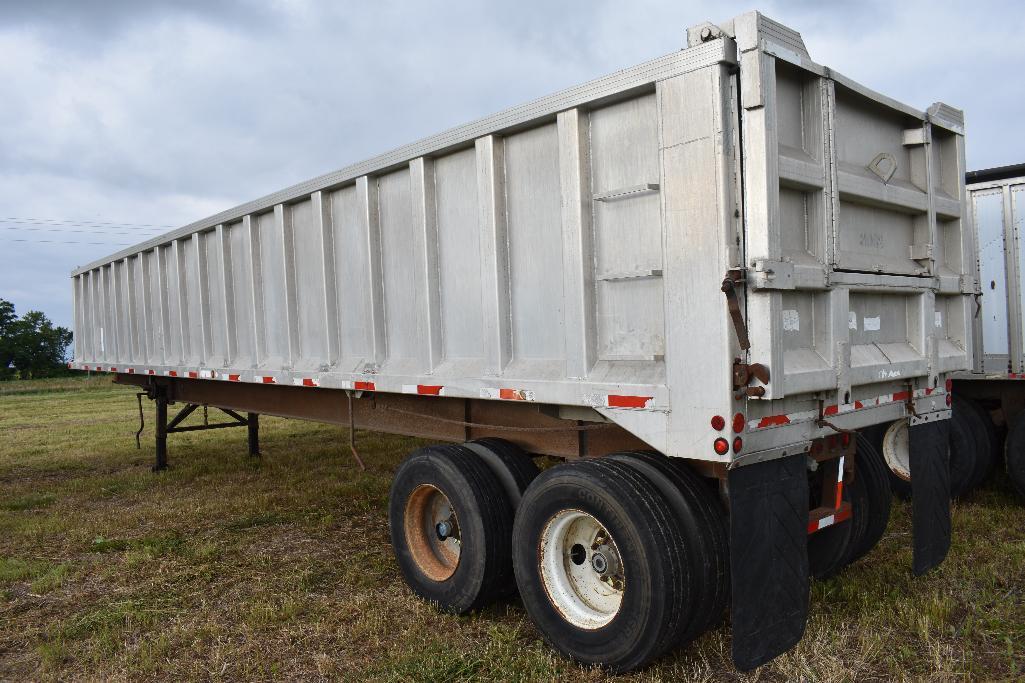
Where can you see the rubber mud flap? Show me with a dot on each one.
(930, 493)
(768, 558)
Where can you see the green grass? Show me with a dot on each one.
(229, 568)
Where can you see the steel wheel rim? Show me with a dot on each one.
(581, 569)
(896, 449)
(432, 532)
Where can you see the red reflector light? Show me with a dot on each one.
(721, 446)
(846, 439)
(949, 399)
(718, 423)
(739, 423)
(738, 443)
(949, 384)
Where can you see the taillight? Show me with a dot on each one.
(721, 446)
(949, 384)
(738, 443)
(739, 423)
(718, 423)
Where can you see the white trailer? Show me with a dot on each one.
(717, 265)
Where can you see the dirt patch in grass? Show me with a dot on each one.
(232, 568)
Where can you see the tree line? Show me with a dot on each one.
(31, 346)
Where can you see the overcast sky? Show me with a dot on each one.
(141, 113)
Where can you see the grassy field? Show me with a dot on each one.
(231, 568)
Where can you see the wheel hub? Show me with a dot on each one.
(581, 569)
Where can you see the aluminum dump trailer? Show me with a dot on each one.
(717, 264)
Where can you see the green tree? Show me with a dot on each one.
(33, 345)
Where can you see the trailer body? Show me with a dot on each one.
(731, 255)
(572, 252)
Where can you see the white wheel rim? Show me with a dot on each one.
(896, 450)
(581, 569)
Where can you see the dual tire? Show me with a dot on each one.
(617, 559)
(451, 516)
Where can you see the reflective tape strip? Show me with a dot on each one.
(113, 369)
(193, 374)
(207, 374)
(829, 520)
(839, 409)
(151, 372)
(617, 401)
(423, 389)
(130, 371)
(839, 483)
(507, 394)
(305, 382)
(234, 378)
(171, 373)
(268, 380)
(359, 385)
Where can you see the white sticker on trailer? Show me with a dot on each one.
(872, 324)
(852, 321)
(791, 320)
(939, 318)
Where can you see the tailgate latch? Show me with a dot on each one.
(743, 373)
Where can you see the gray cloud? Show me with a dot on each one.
(161, 112)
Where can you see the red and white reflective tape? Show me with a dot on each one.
(839, 484)
(829, 520)
(359, 385)
(267, 379)
(232, 378)
(171, 373)
(207, 374)
(306, 381)
(507, 394)
(192, 374)
(841, 409)
(424, 389)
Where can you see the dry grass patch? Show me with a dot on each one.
(232, 568)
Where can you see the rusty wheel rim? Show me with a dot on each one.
(432, 532)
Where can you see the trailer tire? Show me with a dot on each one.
(704, 532)
(625, 617)
(1014, 453)
(971, 414)
(871, 499)
(510, 463)
(461, 571)
(515, 470)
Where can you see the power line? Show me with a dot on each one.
(63, 221)
(106, 244)
(91, 231)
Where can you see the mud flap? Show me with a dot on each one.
(768, 558)
(930, 493)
